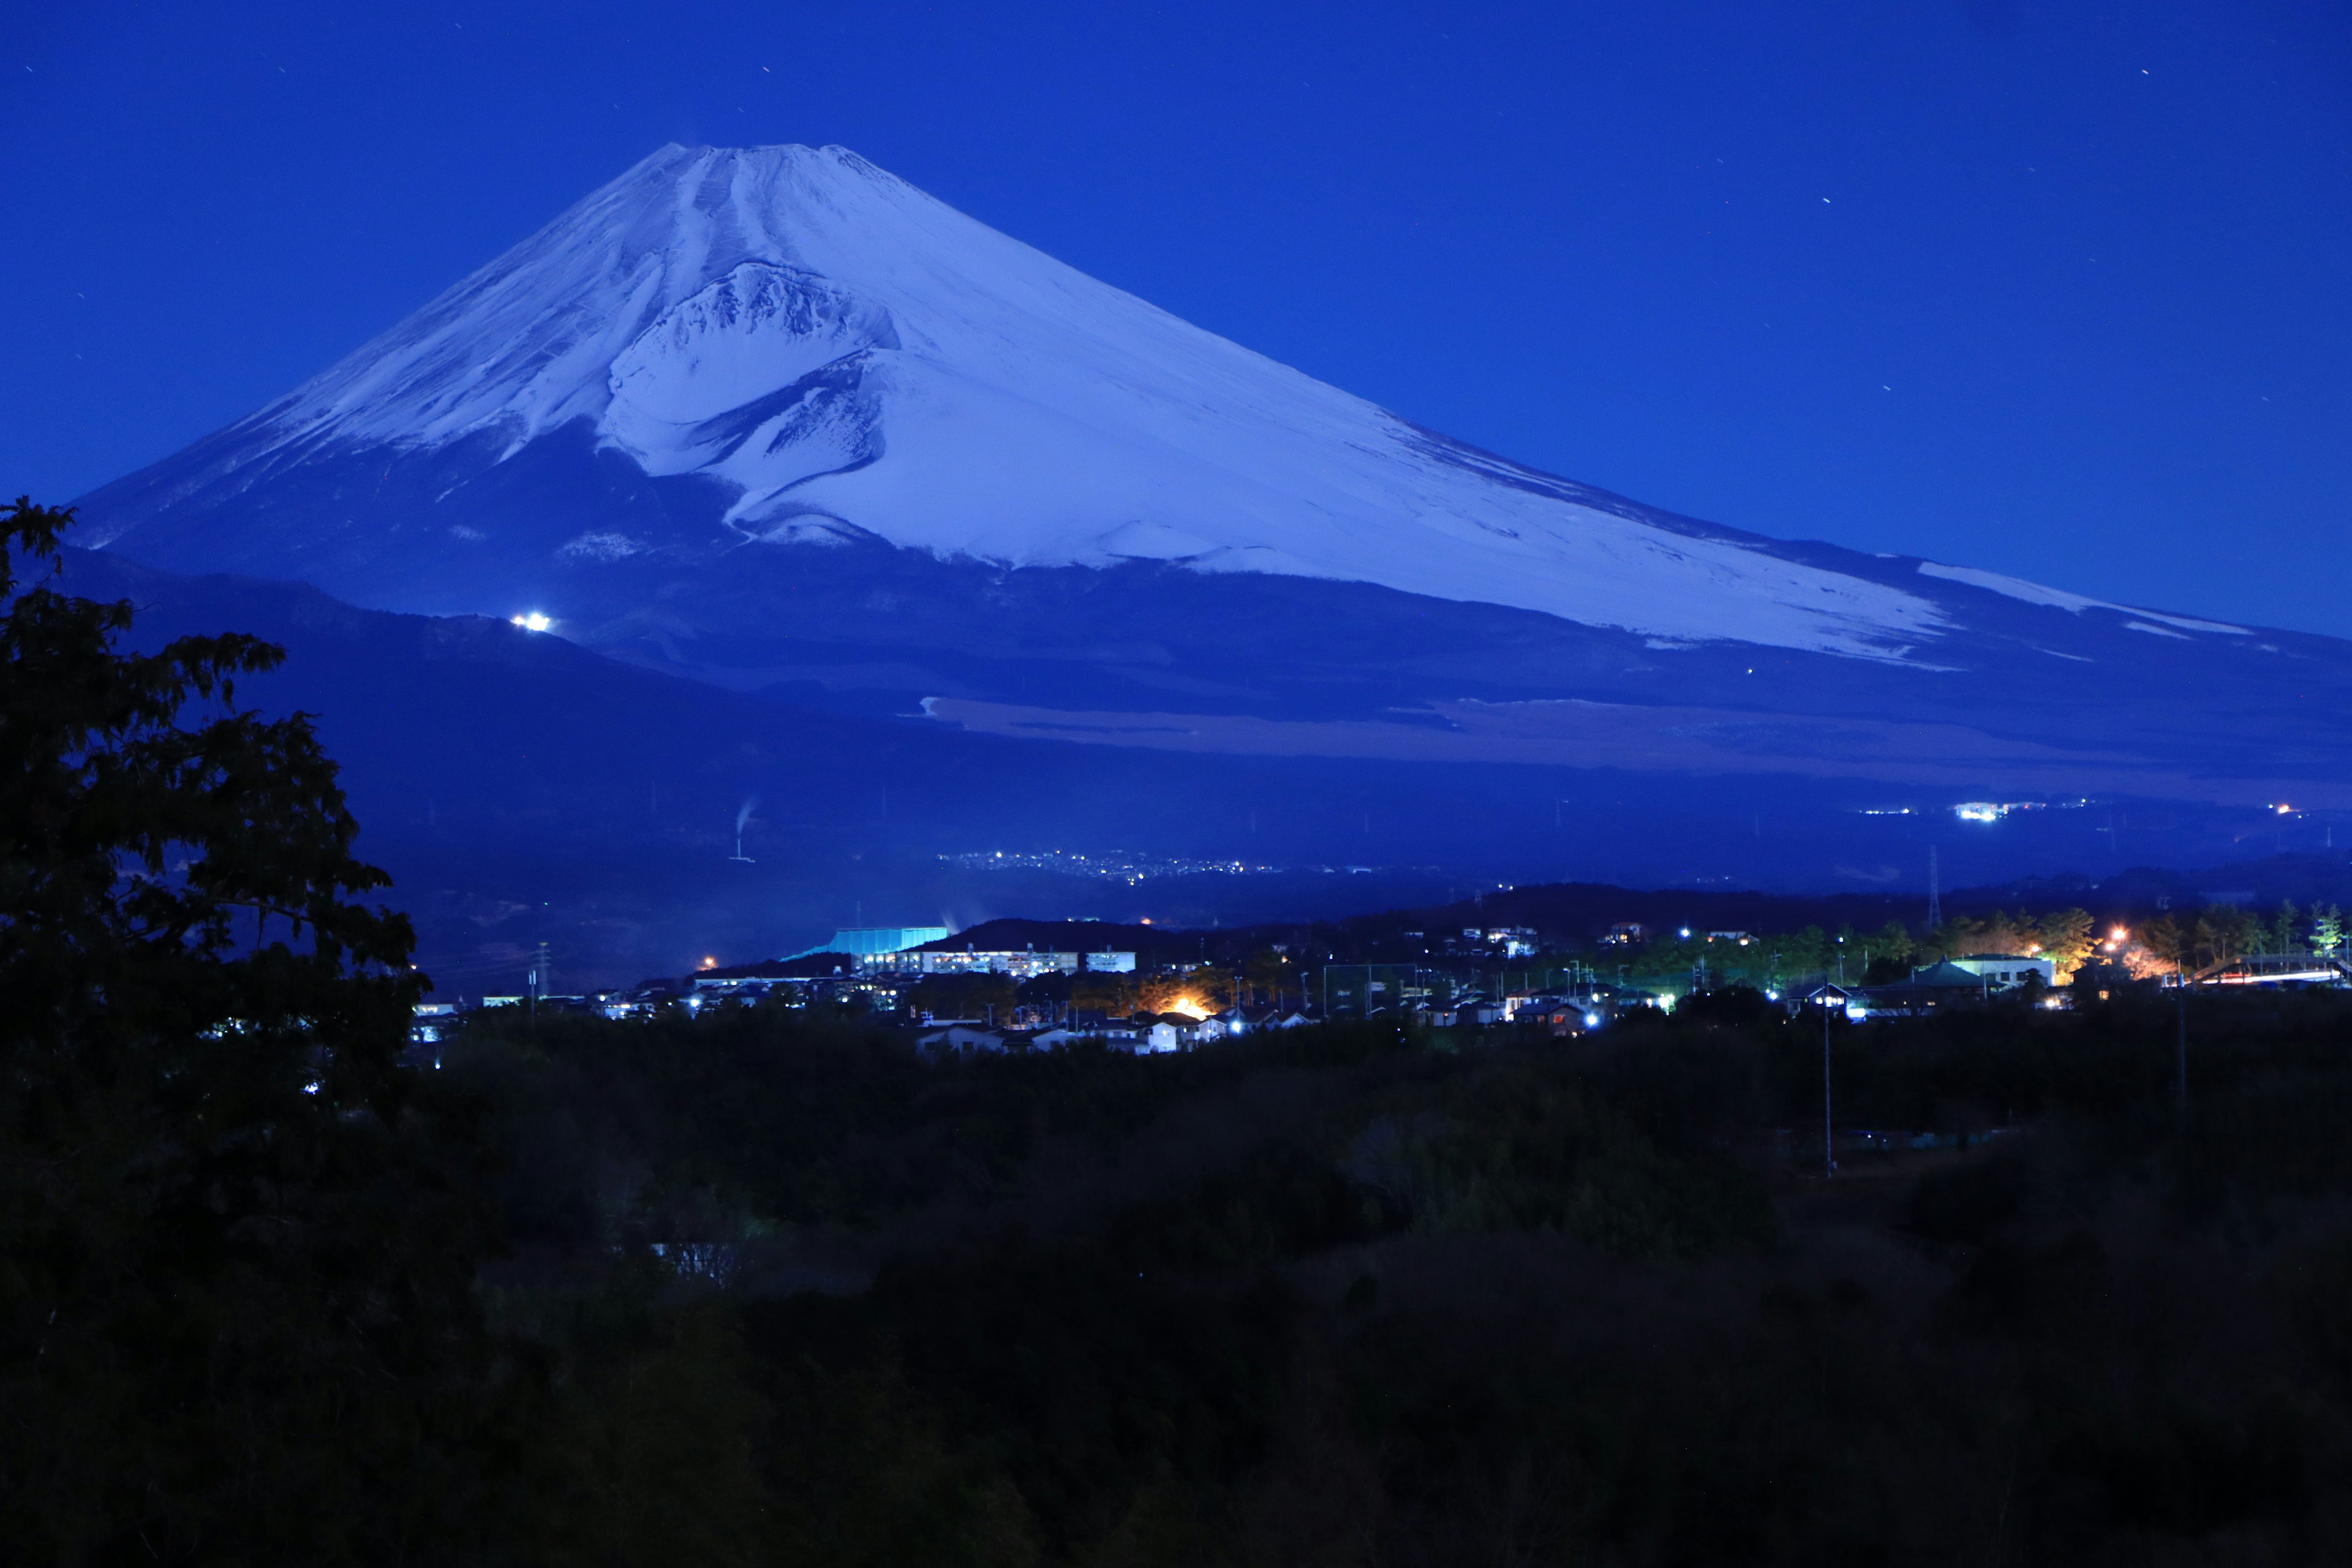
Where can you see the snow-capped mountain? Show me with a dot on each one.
(840, 355)
(775, 419)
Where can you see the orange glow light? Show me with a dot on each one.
(709, 963)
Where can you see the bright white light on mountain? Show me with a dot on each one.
(533, 622)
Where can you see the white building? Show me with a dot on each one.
(868, 942)
(1118, 1036)
(1024, 965)
(1999, 970)
(965, 1039)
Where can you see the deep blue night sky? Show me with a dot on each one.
(2059, 289)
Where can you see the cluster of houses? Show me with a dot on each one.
(880, 968)
(1143, 1033)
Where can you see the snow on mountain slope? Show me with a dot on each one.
(850, 358)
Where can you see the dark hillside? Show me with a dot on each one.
(1361, 1294)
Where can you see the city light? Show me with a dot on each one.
(533, 622)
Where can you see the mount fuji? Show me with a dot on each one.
(825, 355)
(775, 421)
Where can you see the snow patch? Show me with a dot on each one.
(1153, 542)
(600, 547)
(2059, 598)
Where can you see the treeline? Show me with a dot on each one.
(1767, 959)
(2164, 943)
(1436, 1301)
(1262, 977)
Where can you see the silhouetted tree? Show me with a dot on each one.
(235, 1273)
(2067, 938)
(2166, 942)
(2223, 934)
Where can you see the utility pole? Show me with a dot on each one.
(2180, 1079)
(1829, 1131)
(1935, 899)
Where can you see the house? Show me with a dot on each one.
(2001, 970)
(1560, 1015)
(1256, 1020)
(1851, 1000)
(1118, 1035)
(1472, 1009)
(967, 1037)
(1160, 1038)
(1937, 985)
(1242, 1021)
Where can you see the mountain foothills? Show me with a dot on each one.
(773, 421)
